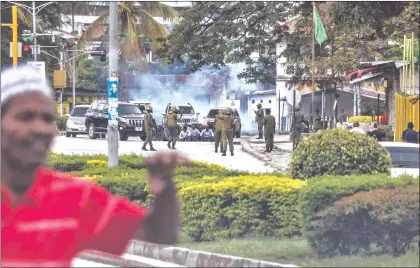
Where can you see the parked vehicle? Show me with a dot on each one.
(189, 117)
(76, 121)
(405, 158)
(211, 118)
(130, 120)
(141, 104)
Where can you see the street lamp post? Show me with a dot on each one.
(33, 11)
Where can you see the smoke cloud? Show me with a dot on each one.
(204, 90)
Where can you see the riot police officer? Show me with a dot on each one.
(269, 130)
(172, 127)
(297, 128)
(259, 118)
(227, 131)
(148, 127)
(218, 126)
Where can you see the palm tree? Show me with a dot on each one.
(136, 24)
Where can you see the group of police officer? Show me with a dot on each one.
(224, 129)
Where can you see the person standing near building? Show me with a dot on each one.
(386, 128)
(148, 127)
(297, 128)
(172, 127)
(227, 131)
(410, 135)
(269, 130)
(218, 130)
(259, 118)
(317, 122)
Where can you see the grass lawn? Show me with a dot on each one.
(294, 251)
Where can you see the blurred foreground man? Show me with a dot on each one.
(148, 126)
(218, 130)
(49, 217)
(269, 130)
(227, 131)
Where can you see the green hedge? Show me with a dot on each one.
(241, 206)
(382, 221)
(322, 192)
(339, 152)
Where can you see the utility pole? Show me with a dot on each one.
(74, 58)
(14, 27)
(35, 51)
(113, 79)
(61, 68)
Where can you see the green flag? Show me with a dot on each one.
(319, 32)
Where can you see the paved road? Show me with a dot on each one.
(202, 151)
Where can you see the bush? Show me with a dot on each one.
(241, 206)
(339, 152)
(387, 219)
(321, 193)
(362, 119)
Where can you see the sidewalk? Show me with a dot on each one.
(278, 138)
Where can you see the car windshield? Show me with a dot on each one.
(186, 110)
(79, 111)
(128, 109)
(404, 157)
(213, 113)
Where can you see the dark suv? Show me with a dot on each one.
(130, 120)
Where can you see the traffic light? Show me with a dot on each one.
(27, 47)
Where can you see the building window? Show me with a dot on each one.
(269, 101)
(253, 101)
(261, 101)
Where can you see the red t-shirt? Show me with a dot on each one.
(61, 216)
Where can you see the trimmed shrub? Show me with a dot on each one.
(387, 219)
(241, 206)
(321, 193)
(362, 119)
(339, 152)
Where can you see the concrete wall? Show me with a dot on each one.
(267, 101)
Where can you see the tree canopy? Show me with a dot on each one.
(219, 33)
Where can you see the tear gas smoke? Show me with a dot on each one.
(204, 90)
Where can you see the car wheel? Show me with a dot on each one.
(91, 131)
(238, 133)
(68, 134)
(143, 136)
(74, 135)
(123, 136)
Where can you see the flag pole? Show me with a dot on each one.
(313, 61)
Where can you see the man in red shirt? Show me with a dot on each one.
(49, 217)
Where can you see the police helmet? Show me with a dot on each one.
(259, 105)
(228, 111)
(149, 108)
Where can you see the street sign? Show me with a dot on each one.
(39, 66)
(113, 101)
(19, 49)
(289, 97)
